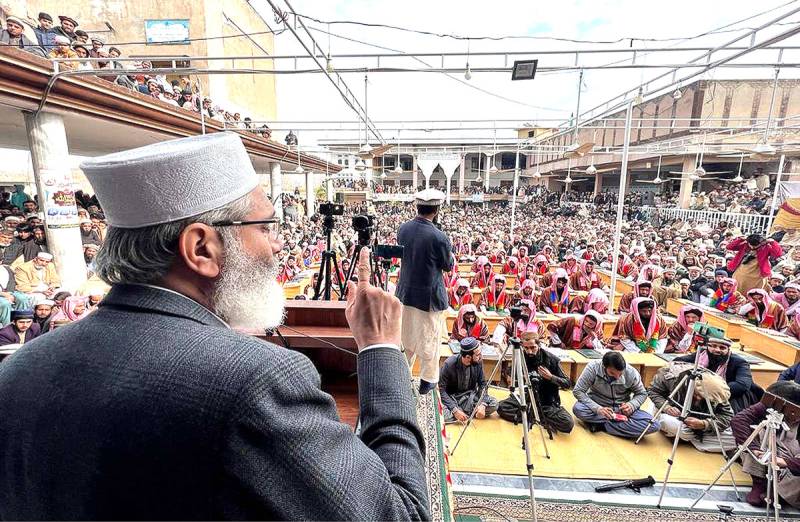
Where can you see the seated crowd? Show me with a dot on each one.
(32, 302)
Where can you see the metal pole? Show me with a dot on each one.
(514, 195)
(775, 194)
(578, 108)
(202, 112)
(772, 103)
(623, 177)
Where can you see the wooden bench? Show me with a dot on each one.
(731, 324)
(779, 347)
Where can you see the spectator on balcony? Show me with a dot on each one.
(14, 36)
(291, 138)
(63, 50)
(67, 28)
(83, 52)
(45, 33)
(122, 79)
(97, 46)
(169, 97)
(82, 37)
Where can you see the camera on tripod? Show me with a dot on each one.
(517, 314)
(364, 224)
(703, 332)
(331, 209)
(387, 252)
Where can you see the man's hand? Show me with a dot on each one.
(627, 409)
(780, 462)
(672, 411)
(545, 373)
(373, 315)
(8, 295)
(695, 424)
(608, 413)
(480, 411)
(460, 416)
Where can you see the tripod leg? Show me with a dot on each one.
(732, 461)
(662, 408)
(722, 449)
(772, 472)
(533, 401)
(687, 403)
(525, 440)
(480, 399)
(320, 279)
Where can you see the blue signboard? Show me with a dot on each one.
(166, 31)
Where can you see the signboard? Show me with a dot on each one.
(59, 202)
(439, 157)
(476, 198)
(166, 31)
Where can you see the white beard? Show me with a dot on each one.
(247, 294)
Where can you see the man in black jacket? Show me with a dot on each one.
(426, 254)
(550, 380)
(696, 283)
(461, 383)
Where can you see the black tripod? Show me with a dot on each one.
(329, 267)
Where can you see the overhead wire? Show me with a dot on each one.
(423, 62)
(631, 39)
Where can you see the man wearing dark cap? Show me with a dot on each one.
(82, 36)
(45, 33)
(461, 382)
(67, 27)
(20, 330)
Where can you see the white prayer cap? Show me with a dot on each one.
(45, 256)
(429, 197)
(45, 302)
(171, 180)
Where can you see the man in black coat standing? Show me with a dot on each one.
(426, 254)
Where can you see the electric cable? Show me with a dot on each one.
(532, 37)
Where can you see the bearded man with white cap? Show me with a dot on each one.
(153, 407)
(38, 277)
(427, 254)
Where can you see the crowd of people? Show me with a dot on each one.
(32, 302)
(67, 41)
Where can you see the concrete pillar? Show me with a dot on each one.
(47, 140)
(461, 170)
(414, 171)
(685, 194)
(329, 189)
(276, 187)
(310, 196)
(486, 181)
(598, 183)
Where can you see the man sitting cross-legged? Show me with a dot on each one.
(461, 382)
(610, 395)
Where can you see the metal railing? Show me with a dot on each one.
(748, 223)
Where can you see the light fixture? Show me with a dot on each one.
(478, 179)
(468, 73)
(676, 94)
(360, 165)
(493, 169)
(383, 175)
(329, 64)
(299, 170)
(398, 169)
(537, 174)
(591, 170)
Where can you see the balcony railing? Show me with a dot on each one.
(748, 223)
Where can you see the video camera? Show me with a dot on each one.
(703, 332)
(387, 251)
(516, 314)
(364, 224)
(331, 209)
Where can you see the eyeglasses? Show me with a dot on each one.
(270, 227)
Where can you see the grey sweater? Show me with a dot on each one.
(595, 389)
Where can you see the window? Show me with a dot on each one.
(161, 64)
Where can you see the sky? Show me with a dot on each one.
(419, 96)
